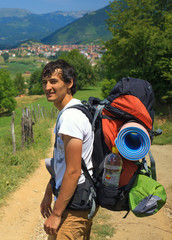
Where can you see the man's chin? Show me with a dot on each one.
(50, 98)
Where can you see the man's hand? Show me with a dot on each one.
(45, 206)
(51, 225)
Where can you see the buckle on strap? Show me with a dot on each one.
(92, 197)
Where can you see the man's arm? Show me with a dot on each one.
(73, 150)
(45, 206)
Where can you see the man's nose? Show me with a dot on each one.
(48, 85)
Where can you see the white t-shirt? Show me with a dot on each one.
(74, 123)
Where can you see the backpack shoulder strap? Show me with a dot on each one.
(90, 118)
(83, 109)
(153, 168)
(97, 113)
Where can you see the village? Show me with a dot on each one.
(91, 52)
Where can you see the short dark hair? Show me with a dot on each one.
(68, 72)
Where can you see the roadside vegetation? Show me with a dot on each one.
(14, 168)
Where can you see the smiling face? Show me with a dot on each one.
(56, 90)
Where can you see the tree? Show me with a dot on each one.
(19, 83)
(141, 44)
(35, 83)
(107, 86)
(7, 92)
(5, 56)
(86, 75)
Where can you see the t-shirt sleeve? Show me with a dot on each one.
(72, 123)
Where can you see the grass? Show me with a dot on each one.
(15, 168)
(21, 65)
(86, 93)
(101, 228)
(15, 68)
(165, 124)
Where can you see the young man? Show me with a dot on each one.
(74, 141)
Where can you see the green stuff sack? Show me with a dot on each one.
(146, 197)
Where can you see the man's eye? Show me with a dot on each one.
(54, 81)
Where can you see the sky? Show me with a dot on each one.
(47, 6)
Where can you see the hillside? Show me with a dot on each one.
(17, 25)
(88, 29)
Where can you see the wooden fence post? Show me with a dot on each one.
(30, 127)
(29, 124)
(12, 131)
(33, 113)
(41, 110)
(22, 129)
(38, 111)
(27, 127)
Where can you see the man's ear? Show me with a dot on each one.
(70, 84)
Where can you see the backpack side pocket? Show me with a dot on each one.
(107, 196)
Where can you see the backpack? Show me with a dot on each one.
(129, 100)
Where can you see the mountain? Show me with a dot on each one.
(88, 29)
(17, 25)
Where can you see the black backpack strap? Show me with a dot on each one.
(153, 168)
(86, 173)
(83, 109)
(97, 113)
(93, 195)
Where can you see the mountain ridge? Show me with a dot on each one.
(19, 12)
(18, 25)
(59, 27)
(90, 28)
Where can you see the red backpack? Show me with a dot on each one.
(130, 100)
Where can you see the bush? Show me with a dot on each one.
(107, 85)
(7, 92)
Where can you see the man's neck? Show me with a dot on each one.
(64, 102)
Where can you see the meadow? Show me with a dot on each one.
(14, 168)
(23, 65)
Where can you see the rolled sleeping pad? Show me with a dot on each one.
(133, 141)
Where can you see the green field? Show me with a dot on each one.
(22, 65)
(15, 167)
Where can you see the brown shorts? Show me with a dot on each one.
(75, 225)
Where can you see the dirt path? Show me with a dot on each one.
(21, 219)
(159, 226)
